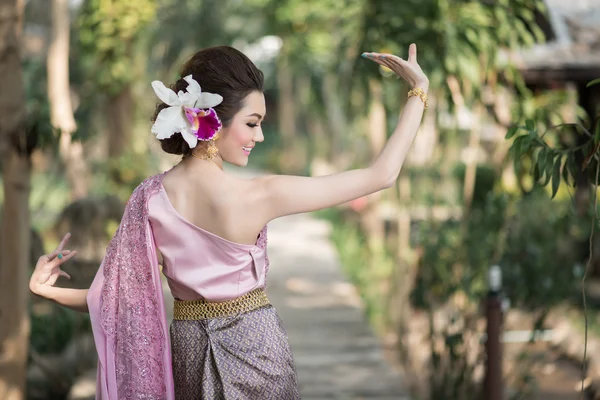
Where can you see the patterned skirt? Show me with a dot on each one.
(245, 356)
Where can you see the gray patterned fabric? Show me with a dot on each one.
(240, 357)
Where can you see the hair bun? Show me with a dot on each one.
(175, 145)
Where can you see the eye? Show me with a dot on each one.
(252, 125)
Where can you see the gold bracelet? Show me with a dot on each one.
(420, 93)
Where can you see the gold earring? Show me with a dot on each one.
(212, 151)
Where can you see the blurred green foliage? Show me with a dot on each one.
(107, 32)
(52, 330)
(121, 175)
(535, 241)
(458, 38)
(485, 180)
(38, 106)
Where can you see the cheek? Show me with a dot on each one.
(239, 135)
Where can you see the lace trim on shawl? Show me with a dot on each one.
(129, 305)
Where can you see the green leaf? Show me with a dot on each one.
(549, 163)
(511, 132)
(594, 82)
(530, 124)
(541, 158)
(565, 173)
(597, 133)
(517, 149)
(526, 143)
(556, 176)
(571, 164)
(537, 174)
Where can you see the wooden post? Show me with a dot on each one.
(493, 386)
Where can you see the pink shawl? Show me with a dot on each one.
(127, 310)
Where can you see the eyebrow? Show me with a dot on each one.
(255, 115)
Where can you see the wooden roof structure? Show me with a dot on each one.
(572, 51)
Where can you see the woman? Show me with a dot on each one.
(208, 231)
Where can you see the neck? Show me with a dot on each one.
(216, 161)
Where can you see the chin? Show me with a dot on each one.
(238, 163)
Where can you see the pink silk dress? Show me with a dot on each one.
(244, 356)
(200, 264)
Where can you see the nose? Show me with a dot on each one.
(259, 137)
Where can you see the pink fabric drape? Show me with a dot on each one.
(127, 311)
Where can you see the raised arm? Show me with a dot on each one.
(284, 195)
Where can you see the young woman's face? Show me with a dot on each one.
(238, 139)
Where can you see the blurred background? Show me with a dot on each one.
(504, 170)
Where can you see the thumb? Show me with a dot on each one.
(412, 53)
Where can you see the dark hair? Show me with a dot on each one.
(222, 70)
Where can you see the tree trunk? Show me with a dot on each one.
(14, 274)
(311, 121)
(15, 232)
(377, 132)
(471, 163)
(286, 103)
(120, 117)
(405, 271)
(473, 146)
(336, 119)
(589, 99)
(502, 113)
(61, 111)
(372, 223)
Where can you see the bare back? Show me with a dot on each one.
(216, 202)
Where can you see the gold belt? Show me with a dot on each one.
(202, 309)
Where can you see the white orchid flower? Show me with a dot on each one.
(173, 118)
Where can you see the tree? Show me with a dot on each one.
(59, 95)
(15, 148)
(552, 164)
(108, 34)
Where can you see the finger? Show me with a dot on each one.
(394, 66)
(63, 273)
(378, 58)
(63, 242)
(369, 56)
(389, 65)
(57, 253)
(412, 53)
(388, 58)
(400, 65)
(66, 257)
(400, 62)
(61, 258)
(375, 56)
(381, 63)
(388, 62)
(395, 63)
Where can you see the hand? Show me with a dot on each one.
(409, 70)
(47, 269)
